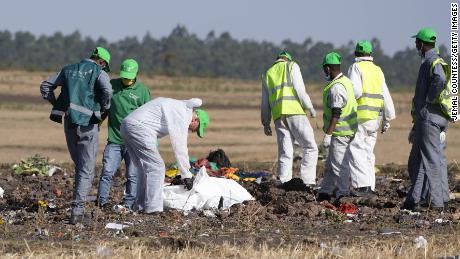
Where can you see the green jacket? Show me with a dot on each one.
(78, 97)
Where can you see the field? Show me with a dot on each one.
(235, 120)
(279, 223)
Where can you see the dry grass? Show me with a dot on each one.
(232, 104)
(403, 248)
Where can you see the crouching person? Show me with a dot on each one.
(140, 131)
(128, 95)
(340, 125)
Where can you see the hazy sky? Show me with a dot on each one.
(336, 21)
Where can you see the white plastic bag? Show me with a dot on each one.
(205, 194)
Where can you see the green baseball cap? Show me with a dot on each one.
(285, 54)
(426, 35)
(129, 68)
(204, 121)
(364, 46)
(332, 58)
(103, 54)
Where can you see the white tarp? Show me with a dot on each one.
(205, 194)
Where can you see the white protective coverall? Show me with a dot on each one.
(140, 131)
(362, 159)
(290, 128)
(336, 173)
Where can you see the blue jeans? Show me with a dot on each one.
(113, 154)
(82, 142)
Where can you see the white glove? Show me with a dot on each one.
(385, 126)
(326, 141)
(267, 130)
(313, 112)
(442, 137)
(411, 137)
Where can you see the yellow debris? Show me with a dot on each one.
(172, 172)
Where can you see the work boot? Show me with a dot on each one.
(363, 192)
(323, 197)
(415, 207)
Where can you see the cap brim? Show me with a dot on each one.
(414, 36)
(127, 75)
(200, 131)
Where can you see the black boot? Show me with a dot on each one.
(323, 197)
(363, 192)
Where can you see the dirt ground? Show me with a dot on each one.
(277, 217)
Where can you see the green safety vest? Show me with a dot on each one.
(371, 101)
(283, 98)
(78, 98)
(348, 121)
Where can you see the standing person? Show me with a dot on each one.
(284, 98)
(128, 95)
(374, 102)
(84, 100)
(140, 131)
(340, 124)
(430, 113)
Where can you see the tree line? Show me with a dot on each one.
(182, 53)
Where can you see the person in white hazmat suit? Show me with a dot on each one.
(140, 131)
(374, 104)
(284, 98)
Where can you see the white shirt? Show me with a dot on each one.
(355, 76)
(299, 87)
(337, 94)
(166, 116)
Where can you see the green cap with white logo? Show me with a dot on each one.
(129, 68)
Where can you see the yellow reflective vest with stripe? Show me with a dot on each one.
(348, 121)
(283, 98)
(371, 101)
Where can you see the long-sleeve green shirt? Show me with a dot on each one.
(124, 101)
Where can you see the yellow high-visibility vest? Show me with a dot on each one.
(348, 121)
(282, 95)
(371, 101)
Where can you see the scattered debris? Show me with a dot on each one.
(115, 226)
(43, 204)
(420, 242)
(411, 213)
(1, 192)
(42, 233)
(120, 209)
(209, 214)
(440, 221)
(34, 165)
(389, 232)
